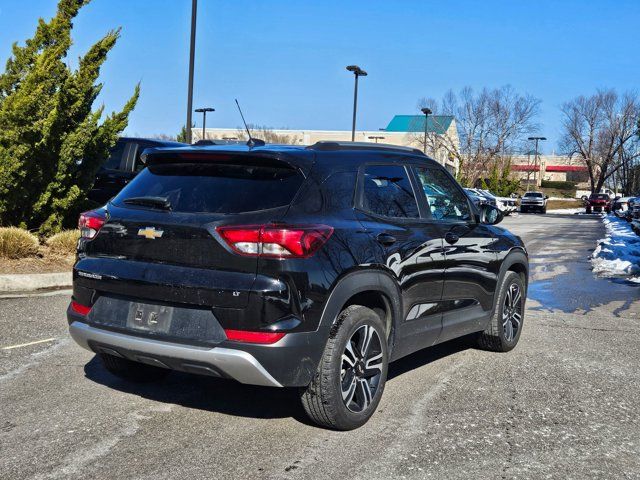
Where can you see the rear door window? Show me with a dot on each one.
(387, 192)
(115, 157)
(215, 188)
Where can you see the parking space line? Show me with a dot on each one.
(11, 347)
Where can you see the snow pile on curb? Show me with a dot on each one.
(618, 254)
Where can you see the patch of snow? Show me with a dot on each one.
(565, 199)
(566, 211)
(618, 254)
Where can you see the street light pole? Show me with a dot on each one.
(426, 112)
(192, 53)
(357, 72)
(537, 155)
(204, 118)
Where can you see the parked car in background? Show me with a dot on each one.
(633, 205)
(122, 166)
(533, 201)
(598, 202)
(288, 266)
(509, 204)
(619, 205)
(477, 200)
(584, 194)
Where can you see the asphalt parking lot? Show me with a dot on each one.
(563, 404)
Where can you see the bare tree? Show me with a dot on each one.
(491, 125)
(602, 131)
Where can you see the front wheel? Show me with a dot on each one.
(348, 385)
(504, 329)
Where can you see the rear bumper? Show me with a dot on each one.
(217, 361)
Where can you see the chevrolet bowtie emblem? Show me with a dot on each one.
(150, 233)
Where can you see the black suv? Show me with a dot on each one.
(288, 266)
(122, 165)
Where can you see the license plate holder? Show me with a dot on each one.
(149, 318)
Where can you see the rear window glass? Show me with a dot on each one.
(533, 194)
(388, 192)
(600, 196)
(215, 188)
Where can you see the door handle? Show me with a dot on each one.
(386, 239)
(451, 238)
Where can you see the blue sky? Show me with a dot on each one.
(285, 61)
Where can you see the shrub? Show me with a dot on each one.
(558, 185)
(64, 242)
(17, 243)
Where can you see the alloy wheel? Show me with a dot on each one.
(361, 368)
(512, 312)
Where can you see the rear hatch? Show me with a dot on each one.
(159, 242)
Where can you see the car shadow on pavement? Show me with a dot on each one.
(232, 398)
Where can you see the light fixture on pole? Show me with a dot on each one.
(192, 53)
(357, 72)
(204, 111)
(427, 112)
(376, 138)
(537, 155)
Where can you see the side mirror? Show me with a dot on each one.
(546, 197)
(490, 215)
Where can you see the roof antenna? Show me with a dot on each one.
(252, 142)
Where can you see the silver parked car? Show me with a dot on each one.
(533, 201)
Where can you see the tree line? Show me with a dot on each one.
(602, 131)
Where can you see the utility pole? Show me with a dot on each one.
(192, 53)
(357, 72)
(537, 156)
(204, 111)
(426, 112)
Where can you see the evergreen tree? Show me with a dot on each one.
(51, 141)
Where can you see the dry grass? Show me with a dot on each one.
(17, 243)
(64, 243)
(555, 204)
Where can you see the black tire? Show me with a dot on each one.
(588, 209)
(523, 210)
(495, 337)
(132, 371)
(544, 210)
(323, 398)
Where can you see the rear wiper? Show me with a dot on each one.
(154, 202)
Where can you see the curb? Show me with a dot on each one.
(30, 282)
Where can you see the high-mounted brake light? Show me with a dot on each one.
(90, 223)
(300, 241)
(79, 308)
(246, 336)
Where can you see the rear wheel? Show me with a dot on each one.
(132, 371)
(348, 385)
(503, 332)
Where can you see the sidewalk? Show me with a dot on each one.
(15, 283)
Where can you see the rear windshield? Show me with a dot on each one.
(533, 194)
(215, 188)
(599, 196)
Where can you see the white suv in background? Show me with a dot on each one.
(532, 201)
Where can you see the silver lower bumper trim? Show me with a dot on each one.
(237, 364)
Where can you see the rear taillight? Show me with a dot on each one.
(298, 241)
(79, 308)
(90, 223)
(245, 336)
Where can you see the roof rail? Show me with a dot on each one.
(331, 145)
